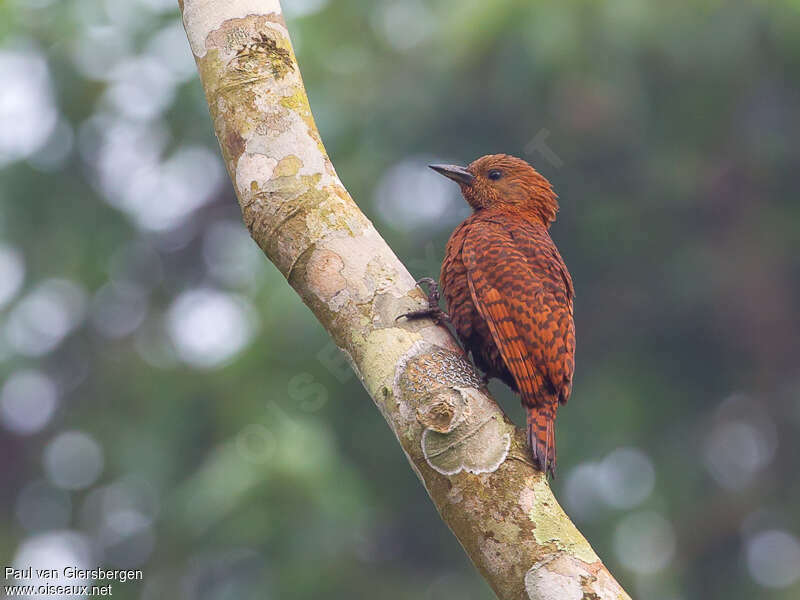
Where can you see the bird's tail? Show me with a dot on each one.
(542, 439)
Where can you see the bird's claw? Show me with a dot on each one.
(437, 314)
(433, 311)
(433, 290)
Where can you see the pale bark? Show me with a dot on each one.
(471, 459)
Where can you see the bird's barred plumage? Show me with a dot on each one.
(510, 295)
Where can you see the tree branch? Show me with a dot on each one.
(471, 459)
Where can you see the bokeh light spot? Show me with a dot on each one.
(409, 195)
(644, 542)
(54, 550)
(404, 24)
(27, 401)
(209, 327)
(41, 320)
(169, 46)
(627, 478)
(27, 112)
(73, 460)
(735, 452)
(773, 558)
(142, 88)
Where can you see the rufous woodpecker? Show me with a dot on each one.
(509, 294)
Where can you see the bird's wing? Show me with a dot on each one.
(542, 254)
(528, 324)
(546, 262)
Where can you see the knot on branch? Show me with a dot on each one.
(262, 51)
(446, 410)
(463, 429)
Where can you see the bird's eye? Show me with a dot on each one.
(495, 174)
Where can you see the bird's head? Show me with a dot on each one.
(503, 181)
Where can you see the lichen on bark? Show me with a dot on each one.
(471, 459)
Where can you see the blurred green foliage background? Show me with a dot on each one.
(167, 403)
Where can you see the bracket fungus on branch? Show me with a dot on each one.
(468, 455)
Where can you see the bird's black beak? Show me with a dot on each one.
(457, 174)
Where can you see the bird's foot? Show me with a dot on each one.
(437, 314)
(433, 311)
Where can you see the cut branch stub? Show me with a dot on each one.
(464, 430)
